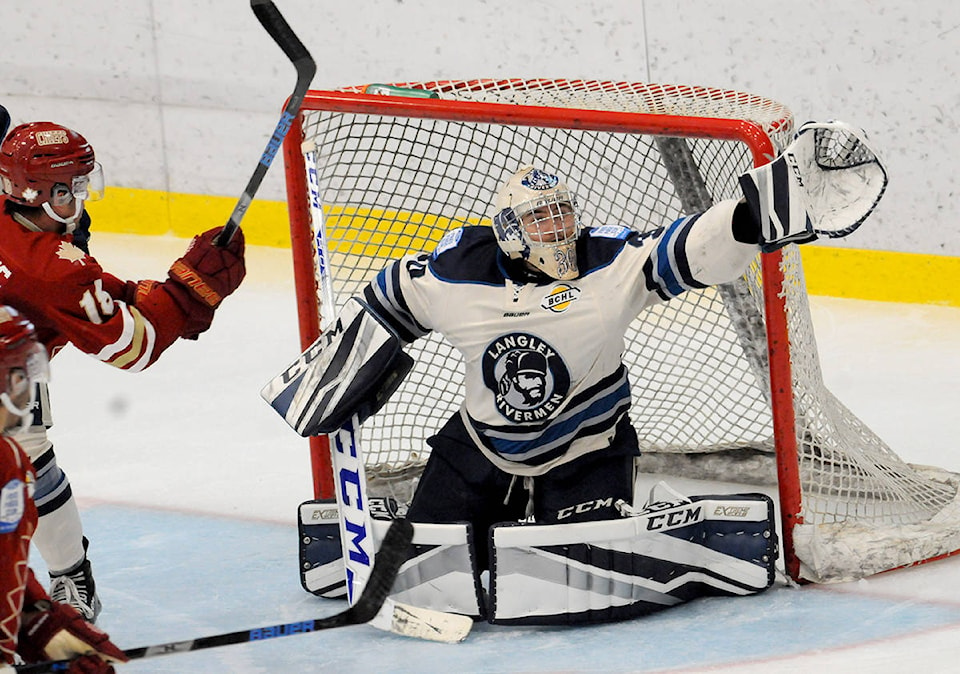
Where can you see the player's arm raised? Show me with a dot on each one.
(129, 324)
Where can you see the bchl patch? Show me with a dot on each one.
(528, 377)
(539, 180)
(610, 231)
(450, 240)
(12, 505)
(560, 298)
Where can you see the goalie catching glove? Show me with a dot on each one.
(825, 183)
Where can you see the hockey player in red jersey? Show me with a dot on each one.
(31, 625)
(47, 173)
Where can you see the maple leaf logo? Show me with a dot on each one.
(70, 253)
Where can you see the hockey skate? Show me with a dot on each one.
(77, 588)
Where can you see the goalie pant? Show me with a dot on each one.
(586, 572)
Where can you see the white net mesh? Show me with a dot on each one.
(392, 184)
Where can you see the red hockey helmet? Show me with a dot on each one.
(23, 361)
(42, 162)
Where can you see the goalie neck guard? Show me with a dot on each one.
(537, 219)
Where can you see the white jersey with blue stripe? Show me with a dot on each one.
(543, 373)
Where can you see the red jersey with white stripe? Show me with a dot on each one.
(70, 298)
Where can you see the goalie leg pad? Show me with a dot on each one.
(440, 573)
(321, 557)
(618, 569)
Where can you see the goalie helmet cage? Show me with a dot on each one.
(726, 381)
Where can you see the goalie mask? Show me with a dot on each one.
(537, 219)
(43, 165)
(23, 363)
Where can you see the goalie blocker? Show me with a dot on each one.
(666, 554)
(351, 369)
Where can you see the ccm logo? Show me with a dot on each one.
(794, 167)
(676, 518)
(564, 513)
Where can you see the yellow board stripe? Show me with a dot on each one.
(363, 231)
(836, 272)
(882, 276)
(153, 213)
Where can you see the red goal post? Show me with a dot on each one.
(371, 168)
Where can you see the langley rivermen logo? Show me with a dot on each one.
(560, 298)
(528, 377)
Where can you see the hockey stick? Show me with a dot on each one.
(278, 28)
(356, 537)
(356, 533)
(392, 553)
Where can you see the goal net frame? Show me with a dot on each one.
(671, 115)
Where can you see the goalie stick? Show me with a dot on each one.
(392, 553)
(356, 537)
(356, 533)
(278, 28)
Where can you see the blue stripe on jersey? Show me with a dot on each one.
(680, 255)
(385, 297)
(665, 268)
(669, 270)
(597, 412)
(556, 438)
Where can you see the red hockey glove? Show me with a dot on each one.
(54, 631)
(210, 272)
(90, 664)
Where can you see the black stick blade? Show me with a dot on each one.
(273, 22)
(386, 564)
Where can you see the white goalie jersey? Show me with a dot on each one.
(544, 379)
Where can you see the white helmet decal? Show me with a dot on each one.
(539, 180)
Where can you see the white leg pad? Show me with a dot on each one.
(441, 573)
(618, 569)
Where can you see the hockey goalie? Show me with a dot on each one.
(532, 481)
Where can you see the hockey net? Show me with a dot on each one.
(727, 382)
